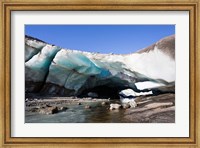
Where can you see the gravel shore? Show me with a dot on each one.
(150, 109)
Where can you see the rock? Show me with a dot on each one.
(87, 107)
(104, 103)
(115, 106)
(157, 110)
(54, 110)
(35, 109)
(47, 105)
(78, 103)
(133, 104)
(92, 94)
(126, 105)
(44, 111)
(49, 110)
(28, 104)
(62, 108)
(127, 96)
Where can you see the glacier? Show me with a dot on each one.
(52, 70)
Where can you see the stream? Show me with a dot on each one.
(98, 113)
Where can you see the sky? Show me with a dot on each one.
(118, 39)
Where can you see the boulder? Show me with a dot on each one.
(126, 105)
(104, 103)
(128, 96)
(62, 108)
(49, 110)
(132, 104)
(115, 106)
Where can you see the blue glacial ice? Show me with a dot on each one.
(60, 70)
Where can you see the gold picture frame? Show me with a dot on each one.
(157, 5)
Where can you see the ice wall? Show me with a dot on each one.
(70, 72)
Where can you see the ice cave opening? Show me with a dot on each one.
(103, 91)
